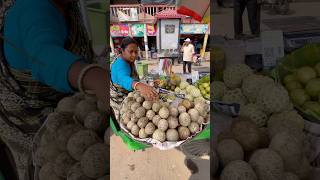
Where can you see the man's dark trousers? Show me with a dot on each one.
(252, 8)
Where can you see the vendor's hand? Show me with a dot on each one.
(94, 80)
(148, 92)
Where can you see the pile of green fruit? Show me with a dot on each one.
(303, 86)
(204, 86)
(171, 82)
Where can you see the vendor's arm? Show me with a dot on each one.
(120, 75)
(95, 79)
(146, 91)
(44, 35)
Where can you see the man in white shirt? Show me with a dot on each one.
(188, 53)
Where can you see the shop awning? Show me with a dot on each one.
(197, 9)
(169, 14)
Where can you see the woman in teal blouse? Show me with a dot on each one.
(42, 31)
(45, 55)
(123, 70)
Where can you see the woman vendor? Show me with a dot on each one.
(124, 77)
(45, 55)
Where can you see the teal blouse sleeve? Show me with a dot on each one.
(43, 33)
(121, 74)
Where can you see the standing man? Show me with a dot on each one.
(253, 15)
(188, 53)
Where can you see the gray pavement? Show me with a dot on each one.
(223, 20)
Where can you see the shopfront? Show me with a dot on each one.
(137, 31)
(197, 34)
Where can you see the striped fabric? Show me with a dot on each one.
(118, 94)
(24, 102)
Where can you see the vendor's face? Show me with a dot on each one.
(131, 52)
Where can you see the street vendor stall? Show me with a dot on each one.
(172, 102)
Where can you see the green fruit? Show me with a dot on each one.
(208, 89)
(299, 96)
(203, 92)
(313, 87)
(207, 96)
(306, 73)
(312, 106)
(289, 78)
(205, 85)
(174, 79)
(291, 85)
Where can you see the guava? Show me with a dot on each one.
(299, 96)
(289, 78)
(206, 85)
(312, 106)
(313, 87)
(291, 85)
(306, 73)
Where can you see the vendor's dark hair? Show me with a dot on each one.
(126, 41)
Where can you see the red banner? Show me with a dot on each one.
(120, 30)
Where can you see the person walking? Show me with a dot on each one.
(253, 15)
(188, 53)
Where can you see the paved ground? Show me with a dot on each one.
(151, 164)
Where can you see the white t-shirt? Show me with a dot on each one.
(188, 52)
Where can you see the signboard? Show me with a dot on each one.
(194, 76)
(120, 30)
(202, 74)
(272, 48)
(128, 14)
(137, 30)
(193, 28)
(169, 33)
(151, 30)
(170, 28)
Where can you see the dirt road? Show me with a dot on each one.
(151, 164)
